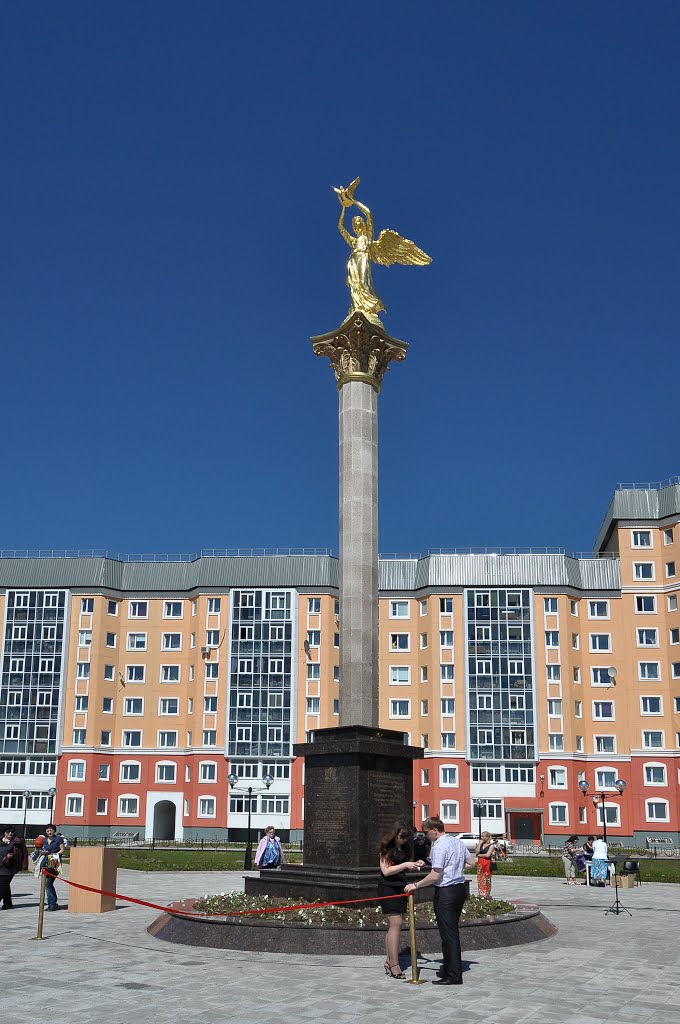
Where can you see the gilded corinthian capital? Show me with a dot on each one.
(359, 350)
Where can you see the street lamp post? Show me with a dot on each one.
(479, 807)
(26, 796)
(601, 801)
(51, 793)
(232, 779)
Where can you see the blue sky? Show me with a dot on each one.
(169, 246)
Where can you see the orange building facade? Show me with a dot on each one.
(131, 690)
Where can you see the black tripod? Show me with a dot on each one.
(617, 906)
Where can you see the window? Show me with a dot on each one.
(554, 708)
(81, 703)
(445, 605)
(423, 641)
(483, 667)
(645, 604)
(172, 610)
(598, 609)
(446, 673)
(170, 705)
(448, 705)
(446, 638)
(166, 771)
(649, 670)
(136, 641)
(555, 741)
(128, 806)
(210, 737)
(400, 641)
(133, 706)
(652, 738)
(676, 705)
(600, 642)
(207, 771)
(515, 668)
(490, 809)
(210, 703)
(448, 741)
(643, 570)
(336, 706)
(103, 772)
(577, 674)
(138, 609)
(112, 608)
(214, 605)
(206, 807)
(578, 709)
(109, 672)
(642, 538)
(611, 815)
(553, 673)
(136, 673)
(171, 642)
(655, 775)
(212, 671)
(605, 778)
(105, 738)
(239, 804)
(84, 638)
(212, 638)
(102, 805)
(423, 673)
(550, 605)
(83, 670)
(110, 639)
(399, 610)
(675, 669)
(130, 771)
(484, 701)
(86, 605)
(674, 635)
(107, 705)
(485, 736)
(170, 673)
(78, 736)
(313, 706)
(314, 637)
(650, 706)
(167, 738)
(647, 638)
(656, 810)
(603, 709)
(448, 775)
(449, 810)
(74, 805)
(557, 778)
(559, 814)
(672, 602)
(400, 709)
(274, 805)
(605, 744)
(76, 771)
(552, 638)
(132, 737)
(670, 569)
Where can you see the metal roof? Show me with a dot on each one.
(642, 502)
(438, 572)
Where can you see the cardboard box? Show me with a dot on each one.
(624, 881)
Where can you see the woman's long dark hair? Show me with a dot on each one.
(389, 840)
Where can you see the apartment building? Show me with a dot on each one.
(131, 690)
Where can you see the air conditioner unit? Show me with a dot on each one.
(205, 650)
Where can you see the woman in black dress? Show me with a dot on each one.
(396, 857)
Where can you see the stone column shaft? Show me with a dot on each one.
(359, 554)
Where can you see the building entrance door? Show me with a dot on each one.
(164, 820)
(525, 827)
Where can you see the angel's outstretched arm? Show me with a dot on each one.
(369, 218)
(342, 229)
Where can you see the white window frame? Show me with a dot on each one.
(651, 714)
(128, 796)
(656, 800)
(448, 768)
(400, 700)
(130, 764)
(201, 772)
(399, 602)
(166, 764)
(647, 678)
(69, 812)
(650, 732)
(602, 786)
(635, 542)
(595, 638)
(645, 598)
(558, 806)
(655, 764)
(598, 601)
(167, 604)
(395, 640)
(638, 572)
(599, 717)
(167, 639)
(449, 810)
(139, 643)
(558, 768)
(72, 777)
(641, 631)
(203, 803)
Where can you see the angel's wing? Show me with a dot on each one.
(391, 248)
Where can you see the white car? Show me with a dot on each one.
(471, 839)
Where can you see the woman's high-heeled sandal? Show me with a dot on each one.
(393, 968)
(386, 965)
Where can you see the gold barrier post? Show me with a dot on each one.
(41, 907)
(414, 979)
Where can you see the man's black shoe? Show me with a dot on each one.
(447, 981)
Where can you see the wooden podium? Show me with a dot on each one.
(95, 866)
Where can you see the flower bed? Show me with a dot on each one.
(364, 915)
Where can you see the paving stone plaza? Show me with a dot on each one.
(597, 970)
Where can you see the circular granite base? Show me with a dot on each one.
(526, 924)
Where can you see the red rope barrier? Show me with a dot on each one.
(231, 913)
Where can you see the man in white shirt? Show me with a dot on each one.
(449, 857)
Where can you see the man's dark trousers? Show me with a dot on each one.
(448, 904)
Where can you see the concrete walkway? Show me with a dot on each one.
(596, 970)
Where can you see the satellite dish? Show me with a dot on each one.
(611, 672)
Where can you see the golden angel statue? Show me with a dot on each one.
(387, 249)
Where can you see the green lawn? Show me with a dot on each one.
(661, 869)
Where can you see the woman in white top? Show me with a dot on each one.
(599, 863)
